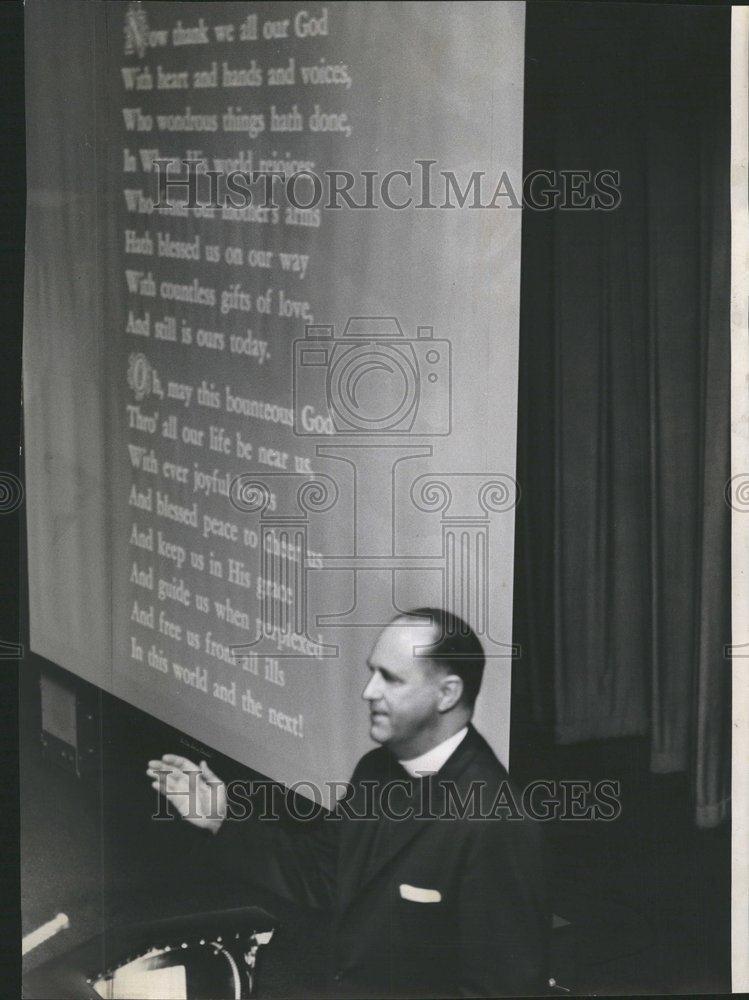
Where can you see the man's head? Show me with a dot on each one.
(426, 668)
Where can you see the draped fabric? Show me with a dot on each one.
(622, 601)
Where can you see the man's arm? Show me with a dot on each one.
(296, 859)
(254, 832)
(503, 917)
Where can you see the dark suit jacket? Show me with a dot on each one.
(481, 927)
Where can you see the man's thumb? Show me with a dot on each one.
(207, 772)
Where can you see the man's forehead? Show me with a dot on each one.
(402, 641)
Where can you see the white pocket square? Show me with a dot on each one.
(417, 895)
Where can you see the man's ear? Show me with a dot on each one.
(451, 691)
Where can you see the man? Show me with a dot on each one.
(429, 896)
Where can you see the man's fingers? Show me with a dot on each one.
(172, 780)
(207, 772)
(159, 786)
(176, 761)
(171, 776)
(165, 773)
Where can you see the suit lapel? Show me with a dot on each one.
(373, 844)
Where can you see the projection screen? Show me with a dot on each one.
(255, 429)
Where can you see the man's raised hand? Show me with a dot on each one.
(193, 789)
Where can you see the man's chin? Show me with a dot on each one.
(378, 731)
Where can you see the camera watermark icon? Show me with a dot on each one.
(371, 380)
(737, 492)
(11, 492)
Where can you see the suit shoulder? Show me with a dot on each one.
(484, 762)
(375, 764)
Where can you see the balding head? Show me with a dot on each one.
(451, 646)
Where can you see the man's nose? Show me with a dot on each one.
(372, 691)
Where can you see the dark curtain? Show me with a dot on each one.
(622, 602)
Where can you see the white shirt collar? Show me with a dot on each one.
(433, 759)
